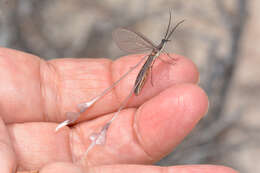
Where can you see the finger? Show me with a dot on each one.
(20, 88)
(7, 155)
(158, 128)
(70, 168)
(36, 90)
(157, 169)
(151, 132)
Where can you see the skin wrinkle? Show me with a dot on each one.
(70, 149)
(5, 145)
(77, 157)
(57, 88)
(72, 133)
(137, 135)
(135, 138)
(83, 161)
(42, 90)
(71, 144)
(79, 132)
(8, 145)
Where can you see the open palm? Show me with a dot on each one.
(35, 95)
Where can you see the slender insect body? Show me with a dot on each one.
(145, 70)
(142, 75)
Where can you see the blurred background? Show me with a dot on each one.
(221, 37)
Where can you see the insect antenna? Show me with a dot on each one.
(175, 27)
(169, 24)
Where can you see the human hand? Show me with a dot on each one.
(35, 95)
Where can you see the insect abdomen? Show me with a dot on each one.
(142, 75)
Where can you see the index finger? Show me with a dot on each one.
(36, 90)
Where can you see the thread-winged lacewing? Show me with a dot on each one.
(132, 42)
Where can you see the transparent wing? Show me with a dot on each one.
(131, 41)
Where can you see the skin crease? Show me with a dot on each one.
(35, 94)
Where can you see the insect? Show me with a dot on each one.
(132, 42)
(144, 45)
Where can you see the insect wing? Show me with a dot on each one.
(131, 41)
